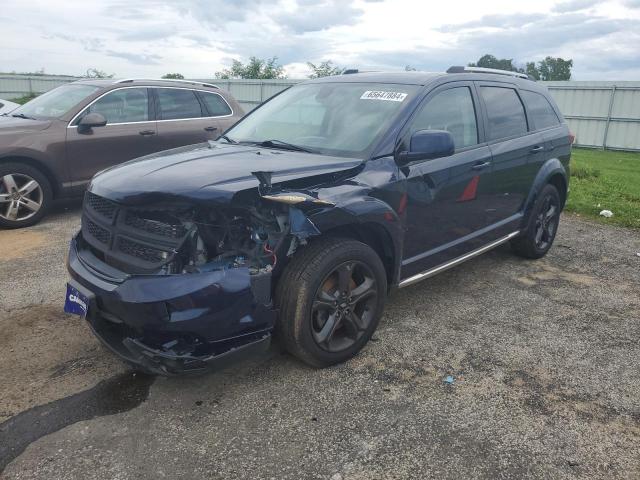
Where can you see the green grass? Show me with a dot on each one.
(25, 99)
(606, 180)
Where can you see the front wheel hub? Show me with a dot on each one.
(344, 306)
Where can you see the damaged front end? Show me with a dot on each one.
(180, 285)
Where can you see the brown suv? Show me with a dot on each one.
(53, 145)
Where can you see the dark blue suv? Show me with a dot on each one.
(302, 216)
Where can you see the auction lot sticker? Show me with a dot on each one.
(380, 95)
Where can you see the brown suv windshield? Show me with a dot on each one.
(56, 102)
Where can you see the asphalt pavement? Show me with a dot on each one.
(499, 368)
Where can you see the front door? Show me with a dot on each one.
(130, 132)
(448, 203)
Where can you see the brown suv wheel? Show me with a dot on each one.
(25, 195)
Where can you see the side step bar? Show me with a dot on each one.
(456, 261)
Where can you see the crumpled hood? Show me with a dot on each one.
(13, 125)
(210, 172)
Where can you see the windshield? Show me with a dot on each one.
(343, 119)
(55, 103)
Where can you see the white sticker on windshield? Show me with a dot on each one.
(380, 95)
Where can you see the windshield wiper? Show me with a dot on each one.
(228, 139)
(284, 145)
(22, 115)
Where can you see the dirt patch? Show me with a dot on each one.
(47, 355)
(18, 243)
(546, 272)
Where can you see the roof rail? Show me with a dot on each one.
(495, 71)
(189, 82)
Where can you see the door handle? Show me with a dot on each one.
(536, 149)
(145, 133)
(210, 129)
(480, 166)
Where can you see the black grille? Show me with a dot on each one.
(133, 240)
(102, 206)
(142, 252)
(155, 227)
(97, 232)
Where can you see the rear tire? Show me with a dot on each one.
(542, 225)
(25, 195)
(330, 297)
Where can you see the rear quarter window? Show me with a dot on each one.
(505, 112)
(540, 110)
(216, 105)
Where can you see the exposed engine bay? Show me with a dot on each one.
(168, 239)
(232, 237)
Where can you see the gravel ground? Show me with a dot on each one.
(543, 355)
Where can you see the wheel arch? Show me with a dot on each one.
(40, 166)
(560, 182)
(552, 172)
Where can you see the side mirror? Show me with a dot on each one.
(91, 120)
(427, 145)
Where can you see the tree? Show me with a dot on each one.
(325, 69)
(532, 70)
(173, 76)
(409, 68)
(489, 61)
(555, 69)
(256, 68)
(548, 69)
(95, 73)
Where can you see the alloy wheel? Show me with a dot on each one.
(21, 197)
(546, 223)
(344, 306)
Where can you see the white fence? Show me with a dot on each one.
(601, 114)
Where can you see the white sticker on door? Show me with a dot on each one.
(380, 95)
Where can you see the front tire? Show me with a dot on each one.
(330, 297)
(25, 195)
(542, 225)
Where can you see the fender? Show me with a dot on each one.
(369, 213)
(37, 160)
(549, 169)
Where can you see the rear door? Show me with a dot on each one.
(447, 198)
(515, 148)
(544, 119)
(183, 119)
(130, 132)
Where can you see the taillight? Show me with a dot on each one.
(572, 137)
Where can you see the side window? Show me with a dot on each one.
(451, 110)
(216, 105)
(505, 112)
(123, 106)
(540, 110)
(176, 103)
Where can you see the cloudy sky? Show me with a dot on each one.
(199, 37)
